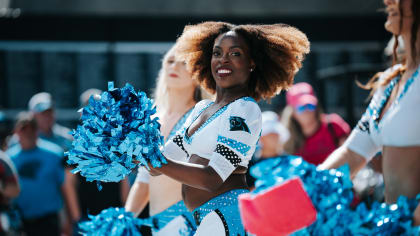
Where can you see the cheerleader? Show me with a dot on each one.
(390, 124)
(175, 96)
(240, 65)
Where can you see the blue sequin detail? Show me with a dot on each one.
(249, 99)
(227, 204)
(161, 219)
(374, 110)
(189, 139)
(179, 124)
(238, 146)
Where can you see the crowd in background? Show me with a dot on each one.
(36, 182)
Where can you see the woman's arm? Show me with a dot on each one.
(137, 198)
(124, 190)
(342, 156)
(416, 220)
(194, 175)
(68, 190)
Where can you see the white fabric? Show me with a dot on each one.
(211, 225)
(177, 226)
(143, 175)
(399, 126)
(271, 124)
(205, 139)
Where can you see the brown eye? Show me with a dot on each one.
(216, 54)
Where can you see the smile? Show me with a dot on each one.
(224, 72)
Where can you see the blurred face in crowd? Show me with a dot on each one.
(45, 120)
(270, 145)
(176, 74)
(305, 114)
(27, 135)
(230, 62)
(400, 16)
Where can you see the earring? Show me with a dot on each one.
(251, 70)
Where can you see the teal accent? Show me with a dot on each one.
(179, 124)
(163, 218)
(375, 109)
(238, 146)
(189, 139)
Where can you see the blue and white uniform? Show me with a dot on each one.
(227, 139)
(398, 127)
(165, 193)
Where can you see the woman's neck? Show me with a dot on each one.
(227, 95)
(411, 63)
(180, 100)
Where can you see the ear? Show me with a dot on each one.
(252, 66)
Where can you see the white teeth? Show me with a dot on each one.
(224, 71)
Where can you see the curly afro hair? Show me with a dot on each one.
(277, 51)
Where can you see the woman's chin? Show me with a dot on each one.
(392, 27)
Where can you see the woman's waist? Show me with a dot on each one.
(194, 197)
(401, 171)
(163, 193)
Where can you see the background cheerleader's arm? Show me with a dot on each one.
(342, 156)
(416, 220)
(138, 196)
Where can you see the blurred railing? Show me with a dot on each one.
(66, 69)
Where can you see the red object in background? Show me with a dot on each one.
(321, 144)
(282, 210)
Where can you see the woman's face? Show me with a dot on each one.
(231, 64)
(394, 24)
(304, 116)
(176, 74)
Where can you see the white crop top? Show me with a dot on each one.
(400, 124)
(227, 139)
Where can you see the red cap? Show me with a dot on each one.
(301, 94)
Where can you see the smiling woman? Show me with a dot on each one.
(239, 64)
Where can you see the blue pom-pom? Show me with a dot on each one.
(331, 194)
(113, 222)
(117, 132)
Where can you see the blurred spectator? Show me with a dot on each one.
(9, 189)
(5, 131)
(273, 135)
(271, 144)
(92, 201)
(41, 171)
(42, 106)
(314, 135)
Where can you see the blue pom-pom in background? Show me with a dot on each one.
(331, 194)
(113, 222)
(116, 132)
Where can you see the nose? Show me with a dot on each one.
(224, 58)
(389, 2)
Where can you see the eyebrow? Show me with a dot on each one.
(234, 46)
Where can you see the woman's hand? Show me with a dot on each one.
(416, 218)
(153, 171)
